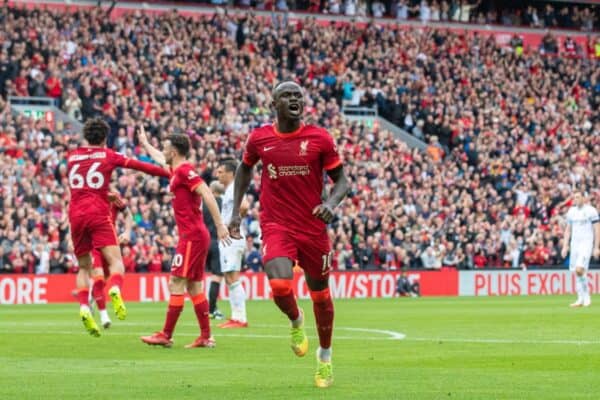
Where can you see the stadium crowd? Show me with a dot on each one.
(539, 14)
(509, 133)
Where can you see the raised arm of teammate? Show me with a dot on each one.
(243, 175)
(211, 203)
(340, 190)
(154, 153)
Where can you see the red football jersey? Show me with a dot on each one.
(187, 204)
(90, 170)
(292, 174)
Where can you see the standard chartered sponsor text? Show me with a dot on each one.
(291, 170)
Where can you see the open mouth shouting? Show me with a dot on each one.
(295, 109)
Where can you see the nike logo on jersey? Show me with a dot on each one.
(267, 148)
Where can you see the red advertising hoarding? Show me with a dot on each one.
(41, 289)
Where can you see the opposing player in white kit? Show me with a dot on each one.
(232, 255)
(582, 238)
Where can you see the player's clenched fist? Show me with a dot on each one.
(234, 227)
(324, 212)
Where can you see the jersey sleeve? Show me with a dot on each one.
(120, 160)
(190, 179)
(329, 155)
(251, 155)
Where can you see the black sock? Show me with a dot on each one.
(213, 293)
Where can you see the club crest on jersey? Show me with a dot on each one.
(272, 170)
(304, 147)
(192, 174)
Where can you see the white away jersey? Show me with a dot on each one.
(581, 220)
(227, 204)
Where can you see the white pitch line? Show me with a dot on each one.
(503, 341)
(266, 336)
(392, 334)
(217, 335)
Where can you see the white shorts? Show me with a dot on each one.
(580, 257)
(232, 255)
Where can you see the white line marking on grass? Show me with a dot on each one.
(393, 334)
(216, 335)
(503, 341)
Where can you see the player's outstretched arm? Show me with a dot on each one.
(243, 175)
(340, 189)
(154, 153)
(211, 203)
(145, 167)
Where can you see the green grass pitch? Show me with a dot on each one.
(455, 348)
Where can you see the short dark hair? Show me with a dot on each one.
(95, 131)
(181, 143)
(229, 164)
(286, 81)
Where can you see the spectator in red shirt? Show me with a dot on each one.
(128, 260)
(54, 86)
(542, 253)
(156, 259)
(480, 260)
(22, 84)
(530, 256)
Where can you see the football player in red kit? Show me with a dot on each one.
(187, 270)
(89, 170)
(100, 271)
(293, 216)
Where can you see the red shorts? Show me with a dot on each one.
(92, 232)
(312, 252)
(99, 262)
(190, 259)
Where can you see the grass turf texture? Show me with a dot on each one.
(461, 348)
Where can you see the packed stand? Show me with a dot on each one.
(509, 135)
(539, 14)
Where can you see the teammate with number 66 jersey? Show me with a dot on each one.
(89, 170)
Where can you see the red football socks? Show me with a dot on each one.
(201, 310)
(323, 309)
(98, 292)
(173, 312)
(116, 280)
(283, 295)
(83, 295)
